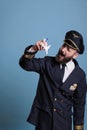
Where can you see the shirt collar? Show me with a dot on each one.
(70, 64)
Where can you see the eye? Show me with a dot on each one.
(68, 48)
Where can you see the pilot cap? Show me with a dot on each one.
(74, 40)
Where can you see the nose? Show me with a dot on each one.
(63, 49)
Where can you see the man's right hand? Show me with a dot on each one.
(39, 45)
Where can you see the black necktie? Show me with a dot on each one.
(62, 71)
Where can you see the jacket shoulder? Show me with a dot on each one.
(80, 70)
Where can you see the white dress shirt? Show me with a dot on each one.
(68, 69)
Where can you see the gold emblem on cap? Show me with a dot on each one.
(75, 35)
(73, 87)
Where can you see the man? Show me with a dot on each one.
(59, 97)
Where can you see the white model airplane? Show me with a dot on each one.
(46, 47)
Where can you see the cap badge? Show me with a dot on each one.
(76, 36)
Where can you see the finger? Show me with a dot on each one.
(39, 45)
(44, 43)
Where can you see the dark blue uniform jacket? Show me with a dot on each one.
(55, 103)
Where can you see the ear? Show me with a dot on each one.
(75, 55)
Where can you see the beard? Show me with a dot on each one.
(61, 58)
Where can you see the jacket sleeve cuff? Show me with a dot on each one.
(28, 50)
(78, 127)
(28, 53)
(28, 56)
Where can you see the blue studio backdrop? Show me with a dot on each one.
(23, 22)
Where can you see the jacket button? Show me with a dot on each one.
(55, 99)
(54, 109)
